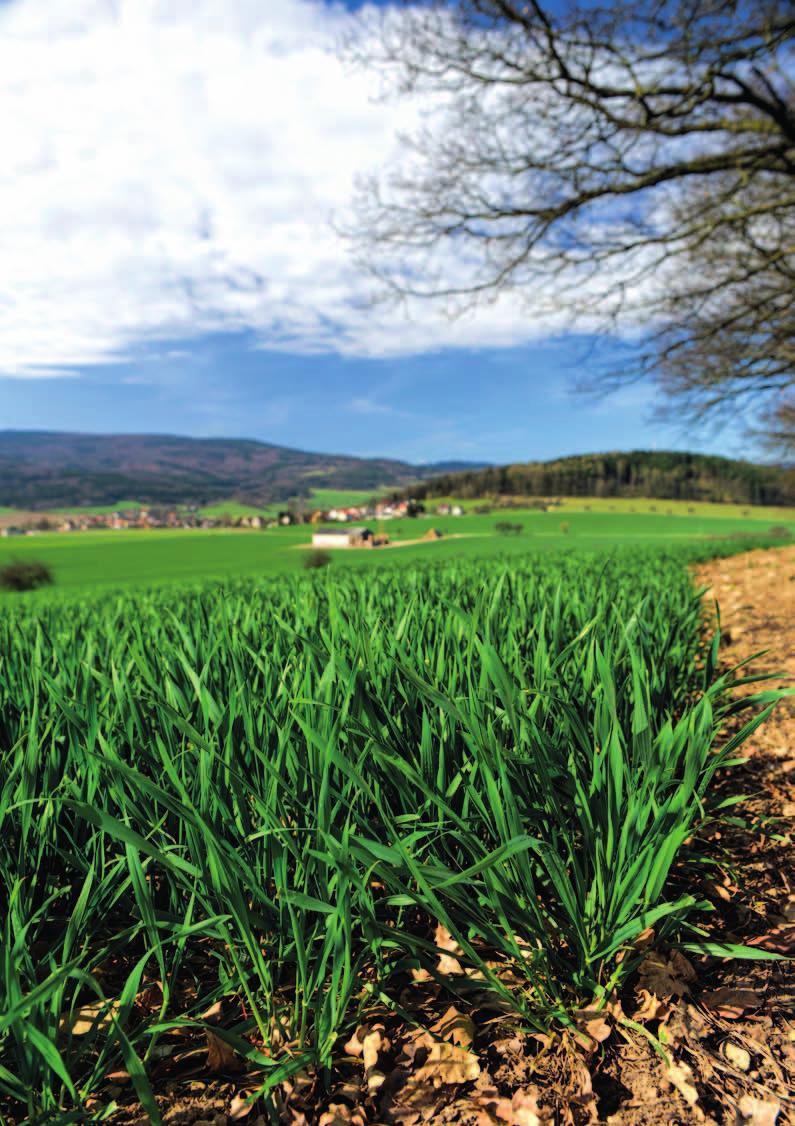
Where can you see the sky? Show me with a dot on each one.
(174, 174)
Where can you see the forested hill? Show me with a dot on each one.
(40, 469)
(640, 473)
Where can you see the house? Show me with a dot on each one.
(342, 537)
(13, 531)
(456, 510)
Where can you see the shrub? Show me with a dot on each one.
(25, 575)
(780, 531)
(564, 528)
(317, 559)
(507, 529)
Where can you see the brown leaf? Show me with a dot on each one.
(756, 1112)
(96, 1017)
(371, 1045)
(779, 940)
(521, 1110)
(593, 1024)
(731, 1003)
(444, 940)
(455, 1026)
(239, 1108)
(524, 1106)
(511, 1045)
(666, 976)
(720, 891)
(650, 1008)
(355, 1045)
(150, 998)
(445, 1064)
(338, 1114)
(220, 1056)
(119, 1077)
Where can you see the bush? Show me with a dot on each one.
(564, 528)
(780, 531)
(316, 559)
(25, 575)
(507, 529)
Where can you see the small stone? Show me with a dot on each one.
(737, 1055)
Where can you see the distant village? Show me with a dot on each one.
(190, 517)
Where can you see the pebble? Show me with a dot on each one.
(737, 1055)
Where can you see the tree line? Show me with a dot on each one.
(667, 476)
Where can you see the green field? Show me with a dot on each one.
(95, 559)
(264, 799)
(631, 506)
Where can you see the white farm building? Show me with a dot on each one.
(342, 537)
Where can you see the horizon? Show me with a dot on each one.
(594, 452)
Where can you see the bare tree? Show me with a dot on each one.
(636, 160)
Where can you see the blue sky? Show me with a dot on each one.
(172, 172)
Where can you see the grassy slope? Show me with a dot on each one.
(91, 559)
(639, 506)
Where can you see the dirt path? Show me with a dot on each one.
(756, 594)
(746, 1059)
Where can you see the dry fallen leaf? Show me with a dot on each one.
(355, 1045)
(150, 998)
(445, 1064)
(731, 1003)
(525, 1112)
(455, 1026)
(339, 1114)
(239, 1108)
(521, 1110)
(96, 1017)
(778, 940)
(444, 940)
(756, 1112)
(594, 1025)
(219, 1054)
(650, 1007)
(372, 1044)
(666, 976)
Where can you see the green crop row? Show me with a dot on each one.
(262, 799)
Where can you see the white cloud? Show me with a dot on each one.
(170, 167)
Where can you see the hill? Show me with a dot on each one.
(50, 469)
(640, 473)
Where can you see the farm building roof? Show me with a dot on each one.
(345, 530)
